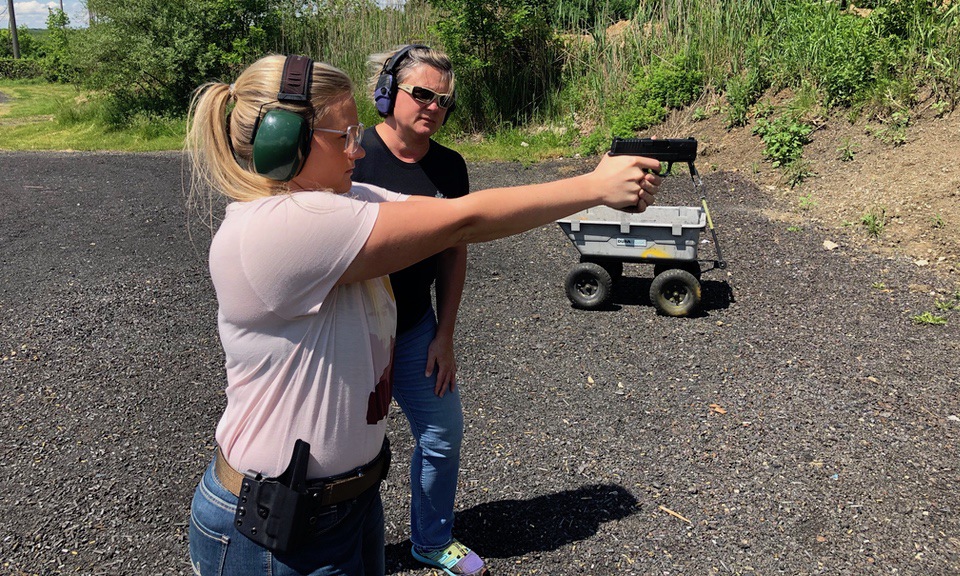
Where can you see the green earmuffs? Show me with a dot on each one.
(281, 138)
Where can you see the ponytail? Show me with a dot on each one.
(220, 127)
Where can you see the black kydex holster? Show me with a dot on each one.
(270, 510)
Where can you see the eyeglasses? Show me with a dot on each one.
(353, 135)
(425, 95)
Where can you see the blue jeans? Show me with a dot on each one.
(437, 427)
(348, 540)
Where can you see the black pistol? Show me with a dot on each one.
(667, 150)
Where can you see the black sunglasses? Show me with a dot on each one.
(425, 95)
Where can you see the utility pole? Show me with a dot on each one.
(13, 29)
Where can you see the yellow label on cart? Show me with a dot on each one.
(655, 252)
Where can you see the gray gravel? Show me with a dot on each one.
(803, 424)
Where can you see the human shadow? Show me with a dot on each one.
(510, 528)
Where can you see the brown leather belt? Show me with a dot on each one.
(326, 491)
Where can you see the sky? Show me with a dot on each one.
(33, 13)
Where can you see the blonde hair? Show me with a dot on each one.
(415, 57)
(220, 124)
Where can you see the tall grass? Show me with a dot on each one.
(345, 33)
(864, 60)
(718, 31)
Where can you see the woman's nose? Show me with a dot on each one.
(358, 153)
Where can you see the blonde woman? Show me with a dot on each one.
(307, 315)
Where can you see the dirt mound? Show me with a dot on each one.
(911, 190)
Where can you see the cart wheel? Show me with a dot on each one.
(691, 267)
(675, 292)
(588, 285)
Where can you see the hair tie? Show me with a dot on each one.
(232, 94)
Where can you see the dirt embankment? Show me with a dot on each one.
(912, 190)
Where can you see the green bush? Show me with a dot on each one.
(926, 35)
(839, 52)
(783, 138)
(596, 142)
(741, 93)
(56, 48)
(26, 41)
(744, 89)
(666, 85)
(20, 69)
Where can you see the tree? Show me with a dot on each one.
(149, 55)
(506, 52)
(56, 54)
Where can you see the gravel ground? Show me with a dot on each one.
(802, 424)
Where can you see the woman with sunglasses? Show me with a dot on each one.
(307, 316)
(413, 91)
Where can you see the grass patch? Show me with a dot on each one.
(44, 116)
(929, 318)
(29, 101)
(513, 145)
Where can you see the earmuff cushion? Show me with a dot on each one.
(385, 91)
(281, 145)
(281, 139)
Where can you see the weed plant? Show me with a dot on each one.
(874, 221)
(797, 171)
(783, 138)
(929, 318)
(807, 202)
(847, 151)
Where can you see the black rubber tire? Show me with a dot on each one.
(588, 285)
(675, 292)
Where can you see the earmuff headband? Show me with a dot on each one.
(392, 63)
(297, 76)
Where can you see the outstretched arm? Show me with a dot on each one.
(407, 232)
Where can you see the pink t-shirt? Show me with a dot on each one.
(304, 358)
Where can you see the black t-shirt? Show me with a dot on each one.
(441, 173)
